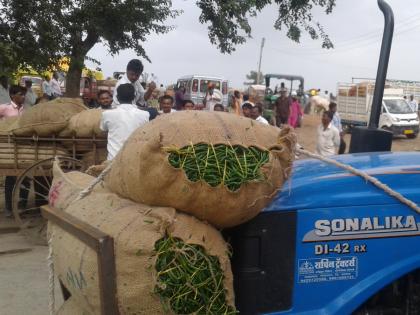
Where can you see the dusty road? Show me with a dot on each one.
(307, 137)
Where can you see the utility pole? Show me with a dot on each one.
(259, 64)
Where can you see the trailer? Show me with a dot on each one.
(30, 160)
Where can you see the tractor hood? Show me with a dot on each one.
(316, 184)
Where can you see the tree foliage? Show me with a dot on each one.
(41, 32)
(229, 19)
(252, 78)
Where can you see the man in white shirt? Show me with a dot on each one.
(213, 96)
(336, 121)
(132, 76)
(46, 88)
(328, 136)
(413, 104)
(30, 96)
(123, 120)
(4, 90)
(166, 104)
(55, 86)
(256, 114)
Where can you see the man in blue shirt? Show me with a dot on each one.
(336, 121)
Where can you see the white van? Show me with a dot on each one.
(196, 87)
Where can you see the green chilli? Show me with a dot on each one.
(220, 164)
(188, 280)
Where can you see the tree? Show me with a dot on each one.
(41, 32)
(252, 78)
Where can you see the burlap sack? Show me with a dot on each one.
(26, 155)
(49, 118)
(141, 170)
(135, 229)
(7, 125)
(96, 170)
(85, 125)
(94, 158)
(66, 187)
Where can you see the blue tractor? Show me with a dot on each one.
(332, 243)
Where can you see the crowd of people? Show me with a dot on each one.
(127, 108)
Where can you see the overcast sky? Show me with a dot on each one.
(355, 27)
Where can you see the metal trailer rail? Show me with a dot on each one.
(102, 244)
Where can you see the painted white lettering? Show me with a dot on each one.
(396, 222)
(410, 222)
(387, 223)
(352, 224)
(366, 224)
(376, 224)
(337, 225)
(322, 228)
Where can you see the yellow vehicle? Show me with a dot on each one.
(89, 81)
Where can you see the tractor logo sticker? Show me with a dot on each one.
(363, 228)
(313, 270)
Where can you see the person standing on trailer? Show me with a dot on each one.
(132, 76)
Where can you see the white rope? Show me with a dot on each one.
(95, 182)
(365, 176)
(51, 283)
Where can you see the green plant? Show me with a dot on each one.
(189, 280)
(220, 164)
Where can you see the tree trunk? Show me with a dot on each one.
(74, 75)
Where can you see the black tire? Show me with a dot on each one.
(412, 136)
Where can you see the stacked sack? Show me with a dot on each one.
(49, 118)
(175, 181)
(62, 118)
(220, 168)
(84, 125)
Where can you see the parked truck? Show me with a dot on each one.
(354, 103)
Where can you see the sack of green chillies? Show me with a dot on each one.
(218, 167)
(166, 262)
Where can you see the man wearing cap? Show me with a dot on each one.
(213, 96)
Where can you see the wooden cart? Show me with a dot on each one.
(24, 159)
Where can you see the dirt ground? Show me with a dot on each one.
(307, 137)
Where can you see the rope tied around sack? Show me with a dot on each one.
(376, 182)
(85, 192)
